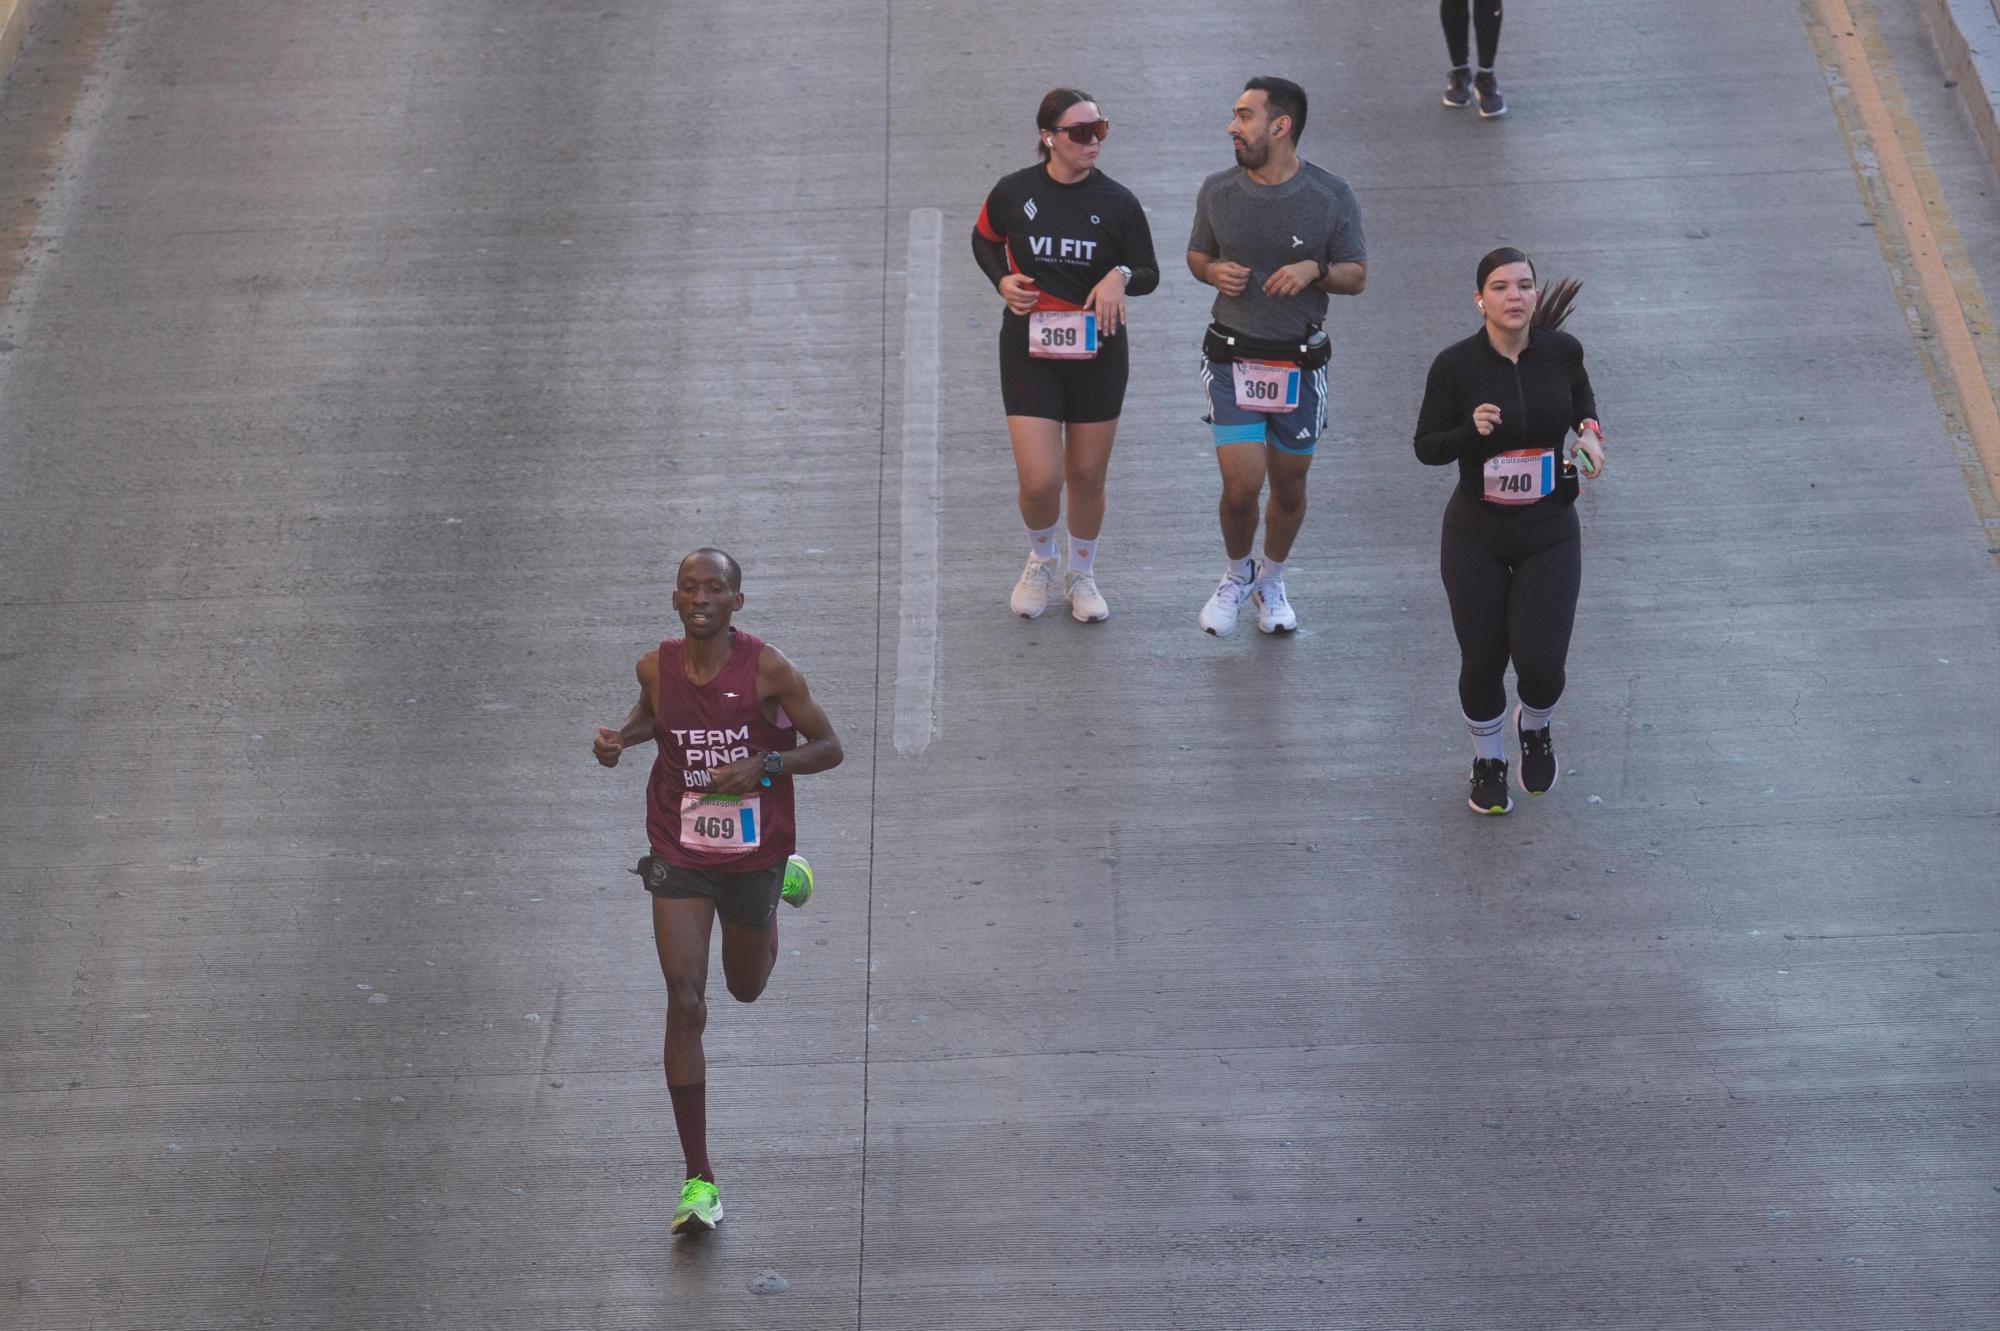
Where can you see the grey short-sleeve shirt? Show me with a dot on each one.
(1264, 227)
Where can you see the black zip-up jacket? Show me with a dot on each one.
(1541, 399)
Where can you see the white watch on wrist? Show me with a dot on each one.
(1125, 270)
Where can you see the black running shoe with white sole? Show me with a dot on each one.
(1489, 786)
(1487, 88)
(1458, 89)
(1538, 758)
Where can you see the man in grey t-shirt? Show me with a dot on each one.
(1274, 236)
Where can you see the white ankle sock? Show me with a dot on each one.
(1532, 719)
(1082, 555)
(1271, 570)
(1243, 569)
(1042, 544)
(1486, 740)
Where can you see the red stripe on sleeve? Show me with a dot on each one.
(985, 228)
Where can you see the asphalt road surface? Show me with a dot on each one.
(366, 368)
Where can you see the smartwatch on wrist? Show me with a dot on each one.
(774, 765)
(1125, 270)
(1324, 269)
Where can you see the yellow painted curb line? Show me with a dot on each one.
(1924, 245)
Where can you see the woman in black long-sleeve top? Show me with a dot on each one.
(1064, 244)
(1500, 404)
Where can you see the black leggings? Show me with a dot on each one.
(1511, 575)
(1485, 15)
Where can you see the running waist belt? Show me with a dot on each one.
(1223, 345)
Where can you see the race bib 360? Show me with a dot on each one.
(1267, 385)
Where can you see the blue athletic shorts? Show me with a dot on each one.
(1296, 431)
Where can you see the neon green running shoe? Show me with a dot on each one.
(798, 886)
(700, 1208)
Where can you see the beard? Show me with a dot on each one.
(1252, 157)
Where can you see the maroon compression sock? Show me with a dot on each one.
(691, 1120)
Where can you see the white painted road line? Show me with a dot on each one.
(916, 642)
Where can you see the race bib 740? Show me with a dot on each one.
(1521, 476)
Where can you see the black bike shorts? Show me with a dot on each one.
(1076, 392)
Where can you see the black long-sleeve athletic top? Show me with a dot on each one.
(1066, 237)
(1541, 399)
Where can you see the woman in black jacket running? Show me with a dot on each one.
(1500, 404)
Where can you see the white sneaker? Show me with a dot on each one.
(1274, 612)
(1219, 615)
(1031, 593)
(1086, 603)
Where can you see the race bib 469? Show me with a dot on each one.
(720, 822)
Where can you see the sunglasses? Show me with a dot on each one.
(1085, 132)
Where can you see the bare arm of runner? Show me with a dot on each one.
(1226, 277)
(1342, 279)
(1020, 293)
(1346, 279)
(638, 727)
(1107, 301)
(781, 686)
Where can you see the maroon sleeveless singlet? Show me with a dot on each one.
(697, 728)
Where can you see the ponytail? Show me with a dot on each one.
(1556, 302)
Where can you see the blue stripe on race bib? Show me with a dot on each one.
(1090, 332)
(747, 820)
(1548, 473)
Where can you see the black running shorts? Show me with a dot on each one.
(749, 899)
(1072, 391)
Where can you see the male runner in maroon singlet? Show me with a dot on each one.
(727, 711)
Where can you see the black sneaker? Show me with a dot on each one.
(1458, 91)
(1491, 103)
(1489, 786)
(1538, 758)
